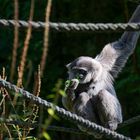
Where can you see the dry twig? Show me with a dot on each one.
(46, 37)
(25, 48)
(16, 38)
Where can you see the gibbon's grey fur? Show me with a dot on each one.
(92, 95)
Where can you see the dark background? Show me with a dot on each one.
(66, 46)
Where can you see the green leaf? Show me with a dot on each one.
(52, 113)
(46, 136)
(30, 138)
(138, 138)
(51, 96)
(67, 83)
(62, 92)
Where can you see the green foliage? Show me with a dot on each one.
(46, 136)
(52, 113)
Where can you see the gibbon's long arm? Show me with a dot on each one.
(114, 55)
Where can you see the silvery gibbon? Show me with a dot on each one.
(90, 92)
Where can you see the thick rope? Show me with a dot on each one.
(73, 26)
(67, 130)
(130, 121)
(63, 129)
(135, 1)
(92, 127)
(50, 128)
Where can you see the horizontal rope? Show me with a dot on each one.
(99, 27)
(50, 128)
(24, 124)
(92, 127)
(130, 121)
(135, 1)
(63, 129)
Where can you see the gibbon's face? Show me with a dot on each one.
(84, 69)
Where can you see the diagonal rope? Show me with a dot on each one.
(99, 27)
(92, 127)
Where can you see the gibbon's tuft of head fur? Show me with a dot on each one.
(85, 69)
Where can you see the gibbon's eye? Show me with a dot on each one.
(81, 73)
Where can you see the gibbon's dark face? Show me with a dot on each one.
(84, 69)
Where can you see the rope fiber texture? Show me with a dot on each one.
(65, 114)
(135, 1)
(64, 129)
(100, 27)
